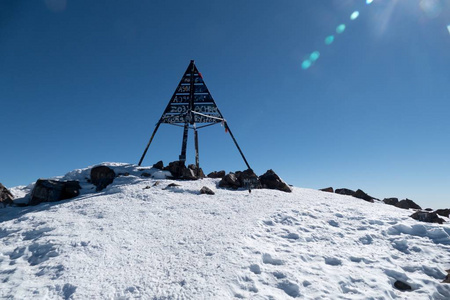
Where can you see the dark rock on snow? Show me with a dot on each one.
(53, 190)
(407, 204)
(145, 174)
(230, 181)
(426, 216)
(6, 198)
(217, 174)
(102, 176)
(444, 212)
(206, 190)
(248, 179)
(328, 189)
(271, 180)
(159, 165)
(172, 185)
(400, 285)
(179, 171)
(447, 278)
(390, 201)
(345, 191)
(361, 195)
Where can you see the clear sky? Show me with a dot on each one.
(82, 82)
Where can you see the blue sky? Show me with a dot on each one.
(82, 82)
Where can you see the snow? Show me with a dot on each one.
(130, 241)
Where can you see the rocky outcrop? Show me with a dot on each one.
(427, 216)
(345, 191)
(230, 181)
(206, 190)
(361, 195)
(443, 212)
(217, 174)
(270, 180)
(390, 201)
(6, 198)
(328, 190)
(159, 165)
(180, 171)
(46, 190)
(102, 176)
(407, 204)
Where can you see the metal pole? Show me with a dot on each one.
(184, 145)
(149, 142)
(234, 140)
(197, 161)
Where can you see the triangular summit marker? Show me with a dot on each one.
(192, 104)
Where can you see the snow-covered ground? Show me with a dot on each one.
(138, 240)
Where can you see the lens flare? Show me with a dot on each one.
(340, 29)
(448, 28)
(354, 15)
(329, 39)
(369, 1)
(306, 64)
(314, 56)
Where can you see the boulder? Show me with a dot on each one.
(407, 204)
(46, 190)
(444, 212)
(175, 168)
(426, 216)
(207, 191)
(271, 180)
(230, 181)
(6, 198)
(217, 174)
(248, 179)
(159, 165)
(345, 191)
(390, 201)
(400, 285)
(102, 176)
(447, 278)
(188, 174)
(328, 189)
(198, 172)
(361, 195)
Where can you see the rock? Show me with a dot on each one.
(46, 190)
(400, 285)
(230, 181)
(145, 174)
(188, 174)
(407, 204)
(124, 174)
(159, 165)
(6, 198)
(175, 168)
(147, 187)
(206, 190)
(271, 180)
(447, 278)
(197, 172)
(217, 174)
(426, 216)
(328, 189)
(248, 179)
(102, 176)
(172, 185)
(444, 212)
(390, 201)
(361, 195)
(345, 191)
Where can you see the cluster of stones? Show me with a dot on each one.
(427, 215)
(234, 180)
(6, 198)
